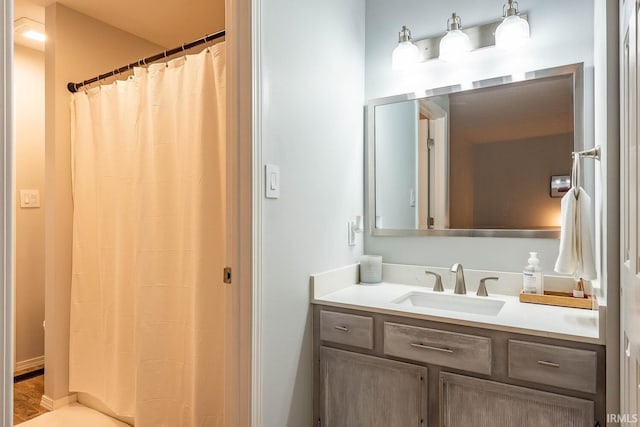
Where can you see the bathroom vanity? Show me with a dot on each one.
(382, 359)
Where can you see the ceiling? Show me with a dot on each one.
(168, 23)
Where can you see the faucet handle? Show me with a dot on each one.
(482, 289)
(437, 286)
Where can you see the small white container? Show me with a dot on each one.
(370, 269)
(532, 277)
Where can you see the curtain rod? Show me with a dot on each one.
(73, 87)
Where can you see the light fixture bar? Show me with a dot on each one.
(480, 36)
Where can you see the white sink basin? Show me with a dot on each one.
(452, 302)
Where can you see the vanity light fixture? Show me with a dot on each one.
(513, 32)
(406, 53)
(455, 44)
(508, 32)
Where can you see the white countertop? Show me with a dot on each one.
(533, 319)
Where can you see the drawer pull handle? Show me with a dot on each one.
(428, 347)
(342, 328)
(550, 364)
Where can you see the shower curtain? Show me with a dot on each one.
(147, 312)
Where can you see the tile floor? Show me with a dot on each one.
(26, 399)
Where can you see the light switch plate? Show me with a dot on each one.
(29, 199)
(272, 181)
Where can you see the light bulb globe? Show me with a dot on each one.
(512, 33)
(454, 46)
(404, 55)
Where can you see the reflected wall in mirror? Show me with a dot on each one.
(477, 161)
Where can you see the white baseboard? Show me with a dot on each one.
(29, 364)
(51, 405)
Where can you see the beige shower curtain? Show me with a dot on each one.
(147, 312)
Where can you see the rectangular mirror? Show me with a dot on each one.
(479, 160)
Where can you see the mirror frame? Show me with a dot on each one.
(574, 70)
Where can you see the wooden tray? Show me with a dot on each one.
(562, 299)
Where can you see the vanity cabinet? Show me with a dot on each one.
(360, 390)
(373, 369)
(467, 401)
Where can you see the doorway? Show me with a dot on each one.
(56, 358)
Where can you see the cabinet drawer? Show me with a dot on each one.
(451, 349)
(347, 329)
(564, 367)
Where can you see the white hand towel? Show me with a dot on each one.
(576, 249)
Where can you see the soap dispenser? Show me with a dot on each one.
(532, 277)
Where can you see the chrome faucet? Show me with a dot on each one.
(460, 287)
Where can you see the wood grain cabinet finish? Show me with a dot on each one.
(349, 329)
(357, 390)
(558, 366)
(374, 374)
(467, 402)
(461, 351)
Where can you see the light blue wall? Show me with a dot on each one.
(561, 33)
(312, 74)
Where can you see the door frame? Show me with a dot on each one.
(629, 262)
(244, 215)
(6, 216)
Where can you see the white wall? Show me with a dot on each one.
(561, 33)
(312, 76)
(29, 226)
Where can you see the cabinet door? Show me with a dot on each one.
(359, 390)
(469, 401)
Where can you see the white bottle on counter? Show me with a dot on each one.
(532, 277)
